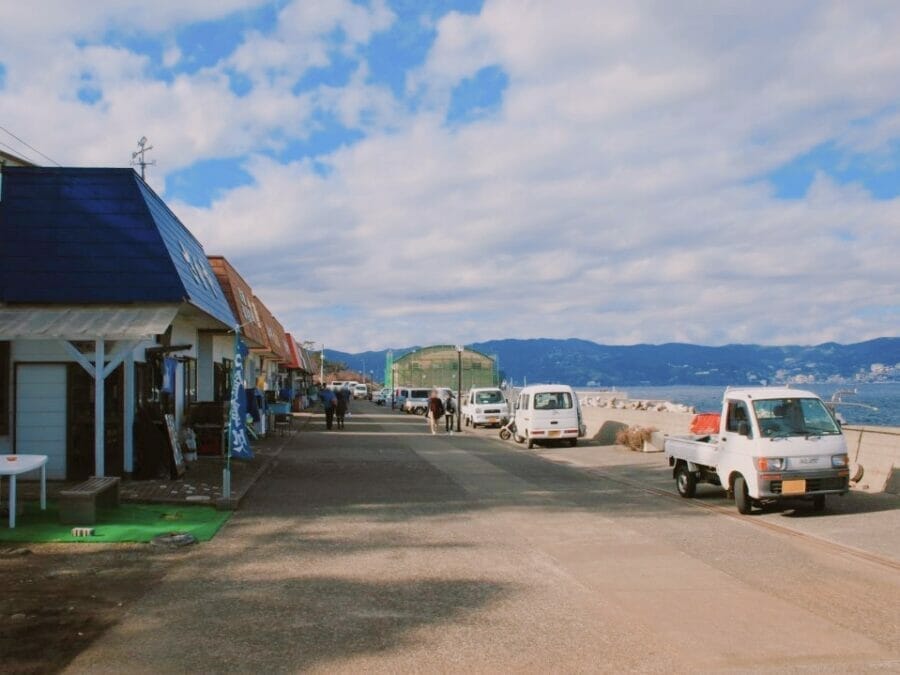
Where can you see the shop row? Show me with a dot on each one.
(118, 331)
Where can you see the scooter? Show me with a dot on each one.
(508, 429)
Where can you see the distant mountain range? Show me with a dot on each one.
(585, 363)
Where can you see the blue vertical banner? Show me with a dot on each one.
(168, 375)
(237, 414)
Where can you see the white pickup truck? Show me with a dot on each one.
(773, 443)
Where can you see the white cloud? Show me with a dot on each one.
(304, 39)
(616, 194)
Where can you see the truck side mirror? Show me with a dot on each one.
(743, 429)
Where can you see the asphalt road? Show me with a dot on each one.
(383, 548)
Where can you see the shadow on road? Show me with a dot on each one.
(305, 621)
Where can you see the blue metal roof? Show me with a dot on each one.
(87, 236)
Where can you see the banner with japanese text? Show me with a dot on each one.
(237, 414)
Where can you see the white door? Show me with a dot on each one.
(41, 414)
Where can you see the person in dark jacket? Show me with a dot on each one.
(449, 411)
(435, 410)
(328, 403)
(341, 409)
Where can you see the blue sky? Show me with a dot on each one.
(393, 172)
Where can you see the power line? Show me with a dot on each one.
(17, 153)
(27, 145)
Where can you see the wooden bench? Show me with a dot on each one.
(78, 505)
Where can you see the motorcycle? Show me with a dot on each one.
(508, 430)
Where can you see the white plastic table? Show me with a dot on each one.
(12, 466)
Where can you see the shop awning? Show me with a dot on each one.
(84, 323)
(297, 360)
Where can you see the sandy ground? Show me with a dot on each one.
(666, 422)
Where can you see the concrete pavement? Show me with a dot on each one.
(386, 549)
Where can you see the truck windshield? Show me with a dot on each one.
(488, 397)
(794, 417)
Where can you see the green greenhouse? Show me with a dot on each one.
(438, 366)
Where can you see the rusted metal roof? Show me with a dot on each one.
(276, 342)
(242, 301)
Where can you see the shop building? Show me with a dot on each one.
(109, 310)
(299, 376)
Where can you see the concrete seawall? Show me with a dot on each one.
(875, 449)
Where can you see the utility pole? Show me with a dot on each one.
(459, 353)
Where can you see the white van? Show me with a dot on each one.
(548, 412)
(416, 401)
(485, 405)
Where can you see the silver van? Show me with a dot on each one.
(416, 401)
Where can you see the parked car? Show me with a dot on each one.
(360, 391)
(485, 406)
(416, 402)
(548, 412)
(382, 396)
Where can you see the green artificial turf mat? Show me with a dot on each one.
(126, 523)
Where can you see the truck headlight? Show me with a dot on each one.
(839, 461)
(769, 463)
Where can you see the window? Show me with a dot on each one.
(794, 417)
(222, 380)
(554, 400)
(489, 397)
(190, 381)
(4, 388)
(737, 415)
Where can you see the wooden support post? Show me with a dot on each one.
(128, 417)
(99, 409)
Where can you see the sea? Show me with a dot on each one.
(875, 404)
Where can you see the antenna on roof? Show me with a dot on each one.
(142, 162)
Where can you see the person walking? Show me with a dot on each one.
(341, 409)
(435, 410)
(328, 404)
(346, 394)
(449, 412)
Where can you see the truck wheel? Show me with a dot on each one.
(741, 496)
(518, 439)
(530, 444)
(819, 503)
(685, 481)
(573, 442)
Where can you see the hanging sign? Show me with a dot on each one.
(237, 414)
